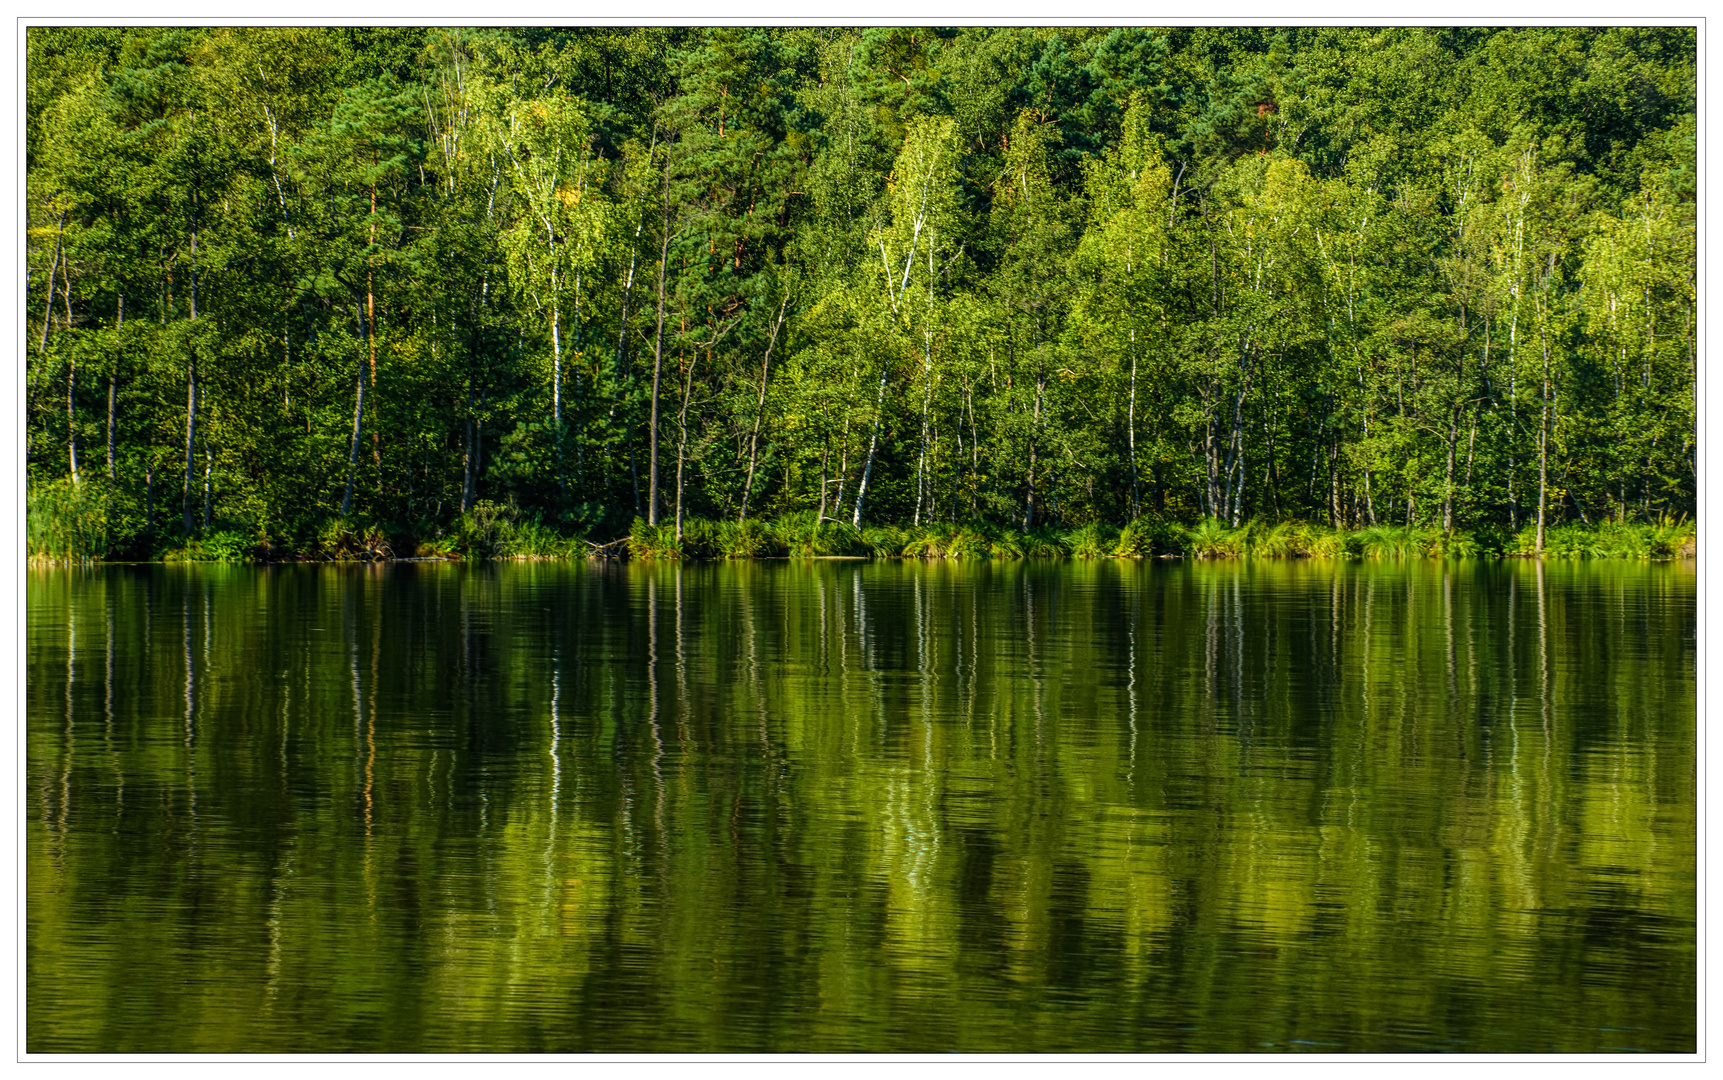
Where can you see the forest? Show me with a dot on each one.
(346, 292)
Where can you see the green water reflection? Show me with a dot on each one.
(848, 806)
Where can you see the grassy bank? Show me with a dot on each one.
(1147, 537)
(80, 524)
(91, 522)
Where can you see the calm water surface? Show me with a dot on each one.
(862, 806)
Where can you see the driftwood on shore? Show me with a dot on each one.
(612, 549)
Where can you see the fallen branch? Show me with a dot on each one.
(604, 550)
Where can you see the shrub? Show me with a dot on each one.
(1456, 545)
(1043, 543)
(699, 537)
(885, 541)
(1272, 541)
(1608, 540)
(1318, 541)
(1006, 544)
(968, 542)
(1570, 540)
(437, 547)
(531, 538)
(219, 546)
(1092, 541)
(745, 540)
(1149, 534)
(1673, 539)
(348, 538)
(1391, 542)
(804, 536)
(924, 543)
(1210, 538)
(653, 542)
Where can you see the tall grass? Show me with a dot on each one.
(804, 536)
(886, 541)
(1210, 538)
(67, 522)
(1667, 539)
(1096, 540)
(1149, 534)
(957, 542)
(219, 546)
(654, 543)
(746, 540)
(1391, 542)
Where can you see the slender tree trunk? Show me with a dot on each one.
(634, 476)
(208, 469)
(556, 362)
(71, 385)
(1232, 495)
(1471, 446)
(53, 276)
(658, 358)
(1212, 494)
(921, 483)
(682, 439)
(191, 383)
(1336, 508)
(622, 371)
(1448, 480)
(760, 412)
(621, 363)
(353, 447)
(872, 446)
(843, 468)
(371, 326)
(974, 454)
(956, 464)
(1513, 411)
(42, 345)
(467, 457)
(1029, 506)
(1131, 428)
(825, 460)
(1543, 438)
(191, 396)
(1271, 474)
(1234, 479)
(119, 322)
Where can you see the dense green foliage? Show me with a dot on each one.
(334, 291)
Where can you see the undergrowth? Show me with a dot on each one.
(84, 522)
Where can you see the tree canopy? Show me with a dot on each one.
(279, 278)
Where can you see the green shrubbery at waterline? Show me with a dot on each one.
(66, 524)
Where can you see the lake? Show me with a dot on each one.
(1263, 806)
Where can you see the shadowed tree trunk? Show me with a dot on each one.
(658, 358)
(353, 447)
(119, 323)
(191, 382)
(760, 413)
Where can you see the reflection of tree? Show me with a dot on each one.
(867, 806)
